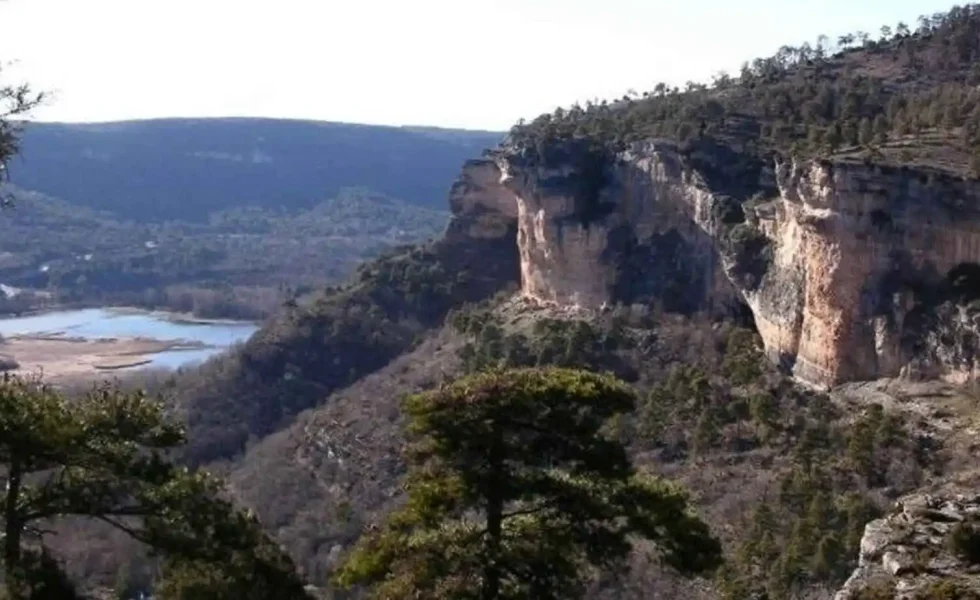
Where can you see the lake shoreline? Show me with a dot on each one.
(170, 315)
(174, 317)
(87, 343)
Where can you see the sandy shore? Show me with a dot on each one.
(62, 358)
(185, 318)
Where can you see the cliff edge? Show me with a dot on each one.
(851, 271)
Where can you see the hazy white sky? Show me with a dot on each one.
(455, 63)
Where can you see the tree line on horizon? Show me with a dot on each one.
(812, 99)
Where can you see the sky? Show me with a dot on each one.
(449, 63)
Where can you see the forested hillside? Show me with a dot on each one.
(903, 96)
(242, 262)
(221, 217)
(916, 85)
(185, 169)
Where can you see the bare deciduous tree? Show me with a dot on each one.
(16, 100)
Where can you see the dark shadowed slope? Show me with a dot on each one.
(187, 168)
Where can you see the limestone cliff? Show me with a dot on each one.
(867, 252)
(848, 268)
(590, 246)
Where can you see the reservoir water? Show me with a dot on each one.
(96, 323)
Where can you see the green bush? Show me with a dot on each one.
(877, 591)
(947, 590)
(964, 541)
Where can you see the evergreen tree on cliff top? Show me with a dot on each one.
(514, 492)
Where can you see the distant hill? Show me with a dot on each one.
(245, 257)
(185, 169)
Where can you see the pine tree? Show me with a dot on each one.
(513, 492)
(866, 132)
(743, 360)
(707, 432)
(258, 571)
(655, 412)
(763, 410)
(104, 457)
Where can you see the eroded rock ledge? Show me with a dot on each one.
(907, 555)
(847, 268)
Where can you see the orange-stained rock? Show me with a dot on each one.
(829, 258)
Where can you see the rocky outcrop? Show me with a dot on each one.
(908, 555)
(845, 266)
(481, 207)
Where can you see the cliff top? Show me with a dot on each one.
(908, 98)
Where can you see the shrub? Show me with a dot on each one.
(947, 590)
(881, 590)
(964, 541)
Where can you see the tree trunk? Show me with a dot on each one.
(12, 531)
(495, 510)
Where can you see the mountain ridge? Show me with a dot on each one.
(160, 169)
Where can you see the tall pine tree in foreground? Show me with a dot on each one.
(514, 492)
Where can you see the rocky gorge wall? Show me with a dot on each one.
(619, 243)
(847, 268)
(865, 254)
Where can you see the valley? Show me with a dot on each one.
(260, 232)
(712, 343)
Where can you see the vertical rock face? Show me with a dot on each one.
(480, 241)
(857, 251)
(848, 269)
(562, 258)
(482, 208)
(637, 237)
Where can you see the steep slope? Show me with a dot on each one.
(308, 351)
(187, 168)
(839, 192)
(738, 438)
